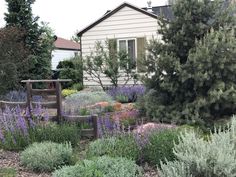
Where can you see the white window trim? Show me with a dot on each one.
(136, 49)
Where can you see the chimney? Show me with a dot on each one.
(149, 7)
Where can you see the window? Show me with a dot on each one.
(129, 46)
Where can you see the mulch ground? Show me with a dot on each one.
(11, 160)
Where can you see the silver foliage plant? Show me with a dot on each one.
(214, 157)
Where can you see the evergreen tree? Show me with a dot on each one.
(37, 38)
(14, 60)
(172, 93)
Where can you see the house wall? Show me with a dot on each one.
(60, 55)
(126, 23)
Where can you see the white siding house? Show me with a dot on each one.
(130, 26)
(64, 49)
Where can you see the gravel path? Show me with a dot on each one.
(12, 160)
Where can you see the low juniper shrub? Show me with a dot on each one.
(46, 156)
(101, 167)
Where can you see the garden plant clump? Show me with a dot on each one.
(18, 129)
(197, 156)
(46, 156)
(160, 146)
(123, 145)
(126, 94)
(104, 166)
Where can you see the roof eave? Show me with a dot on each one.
(125, 4)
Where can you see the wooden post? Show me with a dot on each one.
(59, 102)
(95, 126)
(29, 95)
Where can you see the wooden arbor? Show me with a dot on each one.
(57, 104)
(55, 91)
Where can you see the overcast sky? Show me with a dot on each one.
(65, 17)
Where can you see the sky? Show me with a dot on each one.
(66, 17)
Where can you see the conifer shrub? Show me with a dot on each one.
(117, 146)
(101, 167)
(160, 146)
(46, 156)
(196, 156)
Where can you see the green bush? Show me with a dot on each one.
(46, 156)
(71, 69)
(101, 167)
(160, 146)
(195, 156)
(57, 133)
(118, 146)
(77, 86)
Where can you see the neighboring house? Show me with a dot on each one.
(130, 26)
(64, 49)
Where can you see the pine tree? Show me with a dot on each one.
(173, 94)
(36, 39)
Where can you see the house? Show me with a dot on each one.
(64, 49)
(130, 26)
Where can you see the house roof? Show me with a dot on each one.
(166, 11)
(61, 43)
(110, 13)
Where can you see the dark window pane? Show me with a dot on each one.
(131, 52)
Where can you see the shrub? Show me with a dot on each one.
(56, 133)
(46, 156)
(196, 156)
(101, 167)
(71, 69)
(15, 130)
(126, 94)
(67, 92)
(77, 101)
(123, 145)
(77, 86)
(160, 146)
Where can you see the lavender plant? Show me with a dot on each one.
(16, 126)
(127, 93)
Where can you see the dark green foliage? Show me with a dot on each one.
(160, 146)
(71, 69)
(118, 146)
(14, 60)
(38, 39)
(193, 81)
(101, 167)
(58, 133)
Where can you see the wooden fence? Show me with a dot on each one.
(57, 104)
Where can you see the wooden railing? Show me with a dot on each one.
(57, 104)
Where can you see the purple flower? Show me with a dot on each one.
(127, 93)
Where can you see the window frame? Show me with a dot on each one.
(136, 49)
